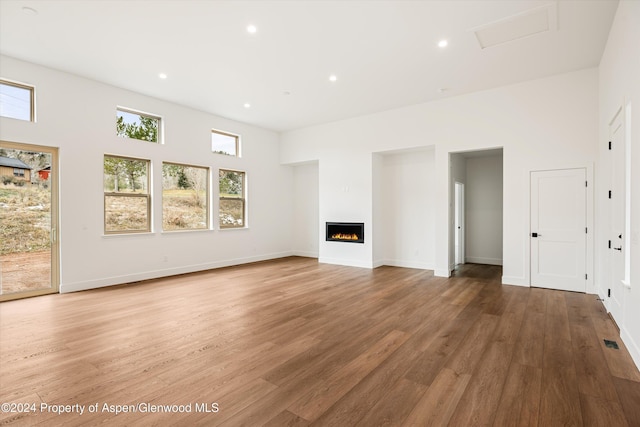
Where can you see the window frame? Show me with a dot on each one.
(207, 197)
(146, 195)
(231, 135)
(160, 134)
(32, 98)
(243, 199)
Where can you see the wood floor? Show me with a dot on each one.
(294, 343)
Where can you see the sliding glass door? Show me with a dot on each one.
(28, 220)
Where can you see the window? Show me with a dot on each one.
(225, 143)
(127, 202)
(17, 101)
(18, 172)
(136, 125)
(185, 201)
(232, 199)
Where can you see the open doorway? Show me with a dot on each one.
(476, 208)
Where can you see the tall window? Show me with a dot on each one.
(232, 199)
(136, 125)
(225, 143)
(17, 101)
(185, 201)
(127, 202)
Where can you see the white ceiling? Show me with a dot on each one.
(384, 53)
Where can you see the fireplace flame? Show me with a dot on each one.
(342, 236)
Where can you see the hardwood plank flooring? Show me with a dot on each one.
(292, 342)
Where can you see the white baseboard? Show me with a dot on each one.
(305, 254)
(632, 346)
(129, 278)
(441, 273)
(481, 260)
(346, 262)
(515, 281)
(407, 264)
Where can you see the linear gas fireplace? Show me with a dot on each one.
(352, 232)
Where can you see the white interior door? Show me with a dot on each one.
(558, 229)
(617, 203)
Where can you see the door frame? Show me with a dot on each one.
(55, 219)
(589, 167)
(459, 220)
(617, 312)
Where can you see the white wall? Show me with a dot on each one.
(345, 195)
(483, 210)
(78, 116)
(542, 124)
(306, 226)
(620, 84)
(407, 202)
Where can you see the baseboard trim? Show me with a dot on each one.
(305, 254)
(632, 346)
(442, 273)
(481, 260)
(515, 281)
(346, 262)
(407, 264)
(129, 278)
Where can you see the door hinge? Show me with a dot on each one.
(586, 230)
(609, 145)
(585, 277)
(609, 244)
(608, 293)
(586, 183)
(609, 193)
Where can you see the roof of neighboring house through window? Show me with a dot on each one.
(13, 163)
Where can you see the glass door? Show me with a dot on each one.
(28, 220)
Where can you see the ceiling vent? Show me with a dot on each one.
(528, 23)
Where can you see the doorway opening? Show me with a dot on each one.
(476, 209)
(28, 220)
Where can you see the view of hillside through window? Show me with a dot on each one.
(127, 201)
(232, 199)
(184, 197)
(25, 220)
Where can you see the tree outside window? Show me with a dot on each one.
(232, 212)
(185, 201)
(130, 124)
(127, 202)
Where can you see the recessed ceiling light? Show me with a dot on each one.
(286, 92)
(443, 90)
(162, 76)
(247, 105)
(251, 29)
(29, 10)
(443, 43)
(333, 78)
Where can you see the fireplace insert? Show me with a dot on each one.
(352, 232)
